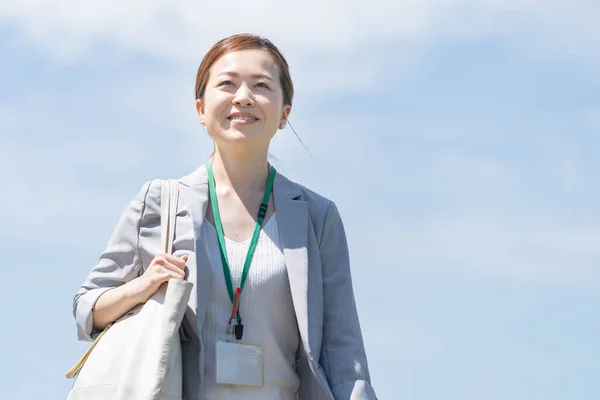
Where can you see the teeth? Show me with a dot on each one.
(244, 118)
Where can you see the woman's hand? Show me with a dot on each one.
(162, 268)
(112, 304)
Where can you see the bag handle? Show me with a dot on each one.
(168, 212)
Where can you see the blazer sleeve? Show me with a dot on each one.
(343, 355)
(119, 263)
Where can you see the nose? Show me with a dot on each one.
(244, 97)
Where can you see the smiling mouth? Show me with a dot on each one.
(234, 118)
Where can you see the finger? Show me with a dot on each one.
(184, 259)
(175, 269)
(178, 261)
(173, 275)
(165, 276)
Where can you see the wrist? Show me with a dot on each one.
(138, 290)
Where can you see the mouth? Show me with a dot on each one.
(242, 118)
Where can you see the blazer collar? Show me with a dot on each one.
(282, 187)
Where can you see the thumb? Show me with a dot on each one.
(184, 257)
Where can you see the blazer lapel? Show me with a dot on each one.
(292, 222)
(194, 190)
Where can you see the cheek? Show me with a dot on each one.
(272, 110)
(214, 106)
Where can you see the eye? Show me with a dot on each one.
(262, 84)
(225, 83)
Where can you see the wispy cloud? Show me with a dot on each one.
(332, 29)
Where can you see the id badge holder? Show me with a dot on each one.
(239, 364)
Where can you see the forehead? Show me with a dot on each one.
(246, 63)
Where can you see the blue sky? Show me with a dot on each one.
(459, 140)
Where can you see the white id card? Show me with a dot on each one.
(239, 364)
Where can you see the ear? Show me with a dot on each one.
(199, 106)
(285, 113)
(200, 110)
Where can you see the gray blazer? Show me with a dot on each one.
(330, 361)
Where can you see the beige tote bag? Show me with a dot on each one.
(139, 356)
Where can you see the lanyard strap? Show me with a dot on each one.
(219, 228)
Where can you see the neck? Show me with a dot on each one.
(241, 171)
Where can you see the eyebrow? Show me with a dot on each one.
(235, 74)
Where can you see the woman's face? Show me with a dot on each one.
(243, 100)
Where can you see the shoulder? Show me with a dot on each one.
(149, 198)
(320, 208)
(286, 187)
(316, 202)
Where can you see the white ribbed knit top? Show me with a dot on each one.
(267, 312)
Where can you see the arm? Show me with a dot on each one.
(119, 263)
(343, 356)
(114, 303)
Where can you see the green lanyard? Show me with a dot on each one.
(262, 212)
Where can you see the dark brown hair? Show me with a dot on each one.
(241, 42)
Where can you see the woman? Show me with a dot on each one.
(237, 216)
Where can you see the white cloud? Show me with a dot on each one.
(184, 30)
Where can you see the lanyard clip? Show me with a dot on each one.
(238, 330)
(235, 328)
(231, 327)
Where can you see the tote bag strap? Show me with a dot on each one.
(168, 211)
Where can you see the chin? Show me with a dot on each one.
(241, 134)
(242, 137)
